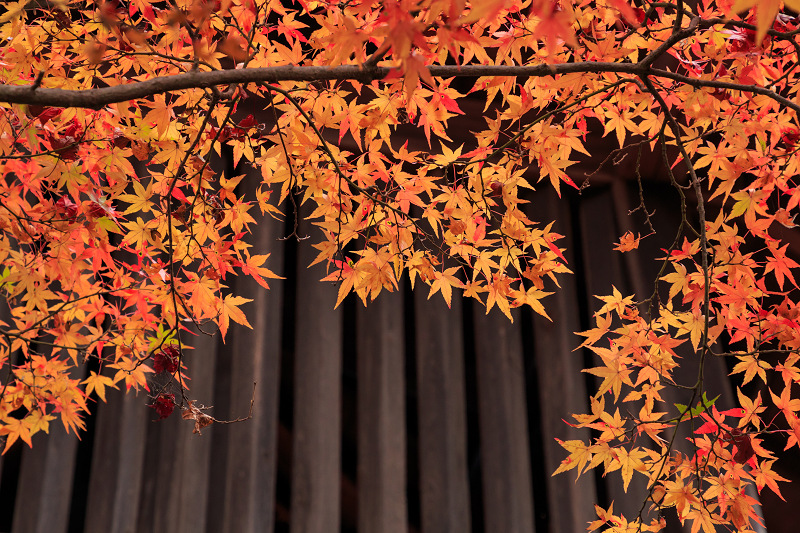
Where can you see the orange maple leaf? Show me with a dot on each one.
(628, 242)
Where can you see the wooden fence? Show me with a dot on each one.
(404, 416)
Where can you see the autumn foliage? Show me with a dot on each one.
(118, 238)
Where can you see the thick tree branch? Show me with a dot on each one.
(97, 98)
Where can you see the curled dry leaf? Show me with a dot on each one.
(201, 420)
(628, 242)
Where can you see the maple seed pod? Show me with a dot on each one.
(720, 94)
(166, 360)
(95, 210)
(402, 115)
(164, 404)
(457, 227)
(211, 273)
(68, 208)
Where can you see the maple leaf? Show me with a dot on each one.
(700, 517)
(555, 23)
(765, 14)
(615, 302)
(414, 70)
(593, 335)
(579, 454)
(444, 282)
(229, 310)
(614, 374)
(742, 443)
(98, 383)
(786, 403)
(166, 360)
(752, 408)
(781, 265)
(751, 366)
(15, 429)
(628, 242)
(627, 461)
(765, 476)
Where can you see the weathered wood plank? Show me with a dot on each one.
(381, 417)
(5, 316)
(561, 389)
(43, 494)
(316, 451)
(117, 464)
(604, 267)
(177, 463)
(251, 454)
(444, 483)
(193, 454)
(505, 453)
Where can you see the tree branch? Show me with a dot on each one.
(97, 98)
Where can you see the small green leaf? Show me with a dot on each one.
(701, 406)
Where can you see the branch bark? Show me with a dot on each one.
(97, 98)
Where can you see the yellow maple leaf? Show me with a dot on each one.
(97, 383)
(614, 375)
(15, 429)
(445, 281)
(579, 454)
(230, 310)
(626, 462)
(751, 365)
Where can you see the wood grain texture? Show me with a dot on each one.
(444, 483)
(43, 494)
(381, 417)
(117, 463)
(316, 451)
(193, 453)
(507, 492)
(561, 389)
(251, 454)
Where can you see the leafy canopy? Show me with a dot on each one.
(117, 238)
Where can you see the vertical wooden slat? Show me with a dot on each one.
(251, 455)
(381, 417)
(603, 267)
(444, 483)
(316, 452)
(6, 317)
(176, 466)
(162, 484)
(561, 387)
(507, 492)
(117, 463)
(192, 455)
(45, 486)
